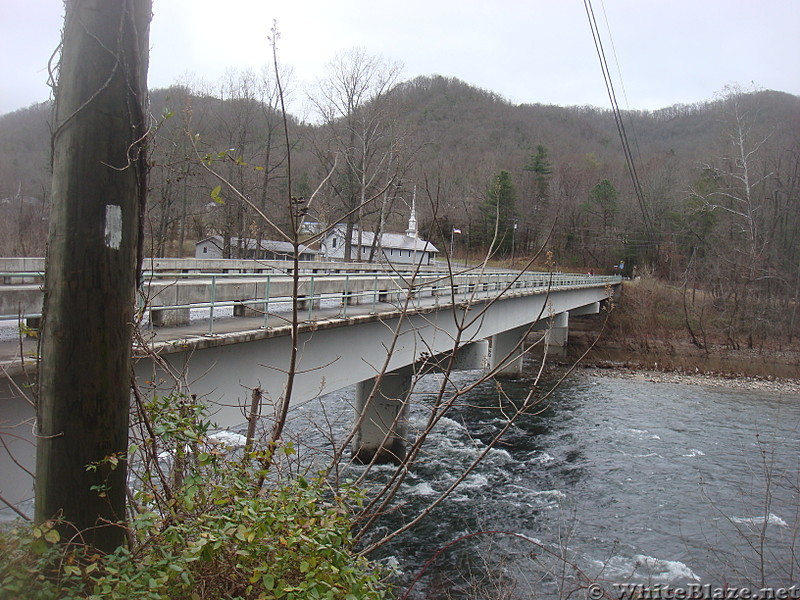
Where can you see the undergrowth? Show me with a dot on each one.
(202, 527)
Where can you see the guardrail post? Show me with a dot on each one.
(311, 299)
(266, 303)
(346, 296)
(211, 308)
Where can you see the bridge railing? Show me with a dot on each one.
(31, 270)
(270, 297)
(170, 298)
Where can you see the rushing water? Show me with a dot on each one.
(621, 479)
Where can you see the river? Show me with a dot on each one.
(612, 479)
(622, 480)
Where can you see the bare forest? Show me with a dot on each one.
(709, 202)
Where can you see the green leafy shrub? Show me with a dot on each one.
(213, 532)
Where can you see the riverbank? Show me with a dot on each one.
(671, 358)
(769, 384)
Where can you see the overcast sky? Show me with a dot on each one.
(528, 51)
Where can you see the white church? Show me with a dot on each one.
(406, 248)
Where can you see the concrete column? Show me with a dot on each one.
(244, 310)
(556, 336)
(382, 434)
(169, 318)
(474, 355)
(354, 291)
(350, 299)
(507, 352)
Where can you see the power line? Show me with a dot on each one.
(617, 114)
(621, 81)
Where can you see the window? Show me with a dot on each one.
(333, 243)
(205, 249)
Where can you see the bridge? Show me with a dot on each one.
(226, 327)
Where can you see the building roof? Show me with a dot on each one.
(397, 241)
(392, 241)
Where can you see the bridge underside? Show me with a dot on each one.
(379, 354)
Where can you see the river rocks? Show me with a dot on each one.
(730, 381)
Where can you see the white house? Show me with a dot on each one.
(212, 247)
(405, 248)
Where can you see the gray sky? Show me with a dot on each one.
(528, 51)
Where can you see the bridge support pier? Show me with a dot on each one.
(474, 355)
(507, 352)
(556, 332)
(382, 434)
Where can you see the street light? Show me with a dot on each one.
(453, 232)
(513, 236)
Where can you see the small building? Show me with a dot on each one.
(213, 247)
(400, 248)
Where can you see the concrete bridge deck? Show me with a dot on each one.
(344, 335)
(173, 296)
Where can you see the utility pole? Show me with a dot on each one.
(93, 261)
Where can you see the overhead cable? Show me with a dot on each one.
(637, 187)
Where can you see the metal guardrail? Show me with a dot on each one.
(386, 287)
(15, 266)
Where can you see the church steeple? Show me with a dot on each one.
(412, 220)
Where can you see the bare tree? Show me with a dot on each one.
(742, 178)
(171, 174)
(351, 104)
(734, 192)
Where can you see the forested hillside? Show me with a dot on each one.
(714, 205)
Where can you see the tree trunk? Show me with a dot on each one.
(93, 260)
